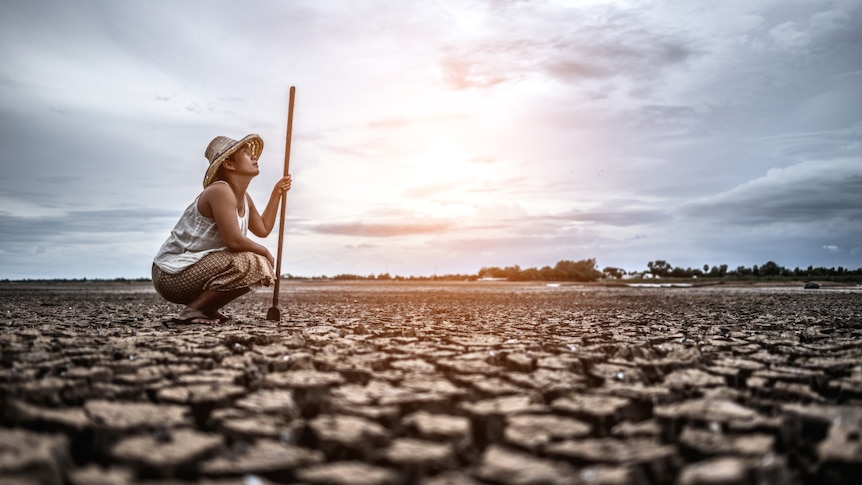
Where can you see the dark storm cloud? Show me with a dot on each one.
(34, 229)
(811, 194)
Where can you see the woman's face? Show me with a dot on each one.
(244, 162)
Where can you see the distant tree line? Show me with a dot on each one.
(662, 269)
(386, 277)
(584, 270)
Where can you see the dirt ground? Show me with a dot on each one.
(459, 384)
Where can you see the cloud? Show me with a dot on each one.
(43, 229)
(426, 191)
(634, 53)
(818, 29)
(809, 193)
(622, 130)
(102, 243)
(570, 46)
(382, 230)
(668, 115)
(613, 215)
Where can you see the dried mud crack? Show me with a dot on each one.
(453, 384)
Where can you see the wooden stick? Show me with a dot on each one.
(274, 312)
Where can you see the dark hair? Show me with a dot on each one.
(219, 173)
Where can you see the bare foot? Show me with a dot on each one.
(221, 317)
(191, 315)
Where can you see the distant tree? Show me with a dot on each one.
(492, 272)
(584, 270)
(347, 276)
(614, 272)
(530, 274)
(770, 268)
(718, 271)
(512, 273)
(659, 267)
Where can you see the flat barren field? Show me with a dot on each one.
(459, 384)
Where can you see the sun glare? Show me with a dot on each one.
(443, 178)
(441, 161)
(447, 162)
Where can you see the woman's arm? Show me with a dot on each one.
(220, 201)
(261, 224)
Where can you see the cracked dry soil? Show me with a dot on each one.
(460, 384)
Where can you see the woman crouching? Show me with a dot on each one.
(208, 259)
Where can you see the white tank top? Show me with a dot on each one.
(194, 236)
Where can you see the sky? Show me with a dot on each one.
(438, 136)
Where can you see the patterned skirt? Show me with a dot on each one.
(220, 271)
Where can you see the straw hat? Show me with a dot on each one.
(223, 147)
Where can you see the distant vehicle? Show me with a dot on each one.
(812, 285)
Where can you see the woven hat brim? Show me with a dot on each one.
(255, 144)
